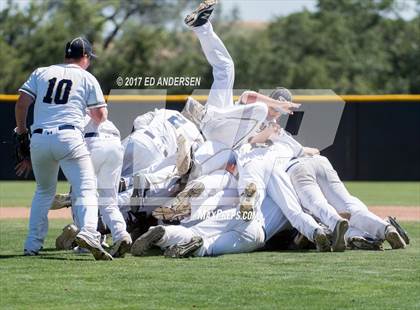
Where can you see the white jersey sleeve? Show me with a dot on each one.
(95, 97)
(30, 87)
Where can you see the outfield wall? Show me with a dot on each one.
(376, 140)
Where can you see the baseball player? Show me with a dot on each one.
(61, 94)
(224, 233)
(200, 197)
(103, 142)
(157, 135)
(323, 194)
(223, 121)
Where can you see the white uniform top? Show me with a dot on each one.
(167, 125)
(284, 146)
(62, 93)
(106, 128)
(286, 138)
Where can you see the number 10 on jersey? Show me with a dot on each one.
(62, 91)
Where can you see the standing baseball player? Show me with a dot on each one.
(104, 144)
(61, 94)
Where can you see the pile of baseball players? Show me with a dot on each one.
(214, 179)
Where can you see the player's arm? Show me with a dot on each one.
(21, 112)
(265, 134)
(95, 100)
(310, 151)
(99, 114)
(285, 107)
(21, 135)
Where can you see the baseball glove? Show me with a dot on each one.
(22, 154)
(403, 233)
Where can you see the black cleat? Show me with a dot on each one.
(185, 249)
(144, 243)
(200, 15)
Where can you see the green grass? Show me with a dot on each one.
(19, 194)
(386, 193)
(262, 280)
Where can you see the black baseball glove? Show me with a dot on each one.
(22, 154)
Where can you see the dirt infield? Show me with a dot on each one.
(401, 213)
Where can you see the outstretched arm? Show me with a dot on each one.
(284, 107)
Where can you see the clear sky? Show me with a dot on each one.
(263, 10)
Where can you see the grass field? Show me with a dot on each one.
(19, 194)
(261, 280)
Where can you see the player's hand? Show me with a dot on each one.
(23, 168)
(310, 151)
(289, 107)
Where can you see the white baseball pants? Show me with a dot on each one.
(49, 151)
(267, 174)
(107, 158)
(322, 192)
(223, 121)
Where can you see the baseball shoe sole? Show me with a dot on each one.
(66, 241)
(398, 227)
(193, 110)
(247, 200)
(185, 249)
(93, 246)
(121, 247)
(183, 157)
(181, 207)
(338, 243)
(394, 238)
(61, 201)
(321, 241)
(201, 15)
(361, 243)
(192, 190)
(147, 240)
(171, 214)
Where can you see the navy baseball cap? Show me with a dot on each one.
(79, 47)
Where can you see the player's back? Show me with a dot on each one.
(62, 93)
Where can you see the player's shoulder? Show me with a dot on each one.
(40, 70)
(89, 76)
(90, 79)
